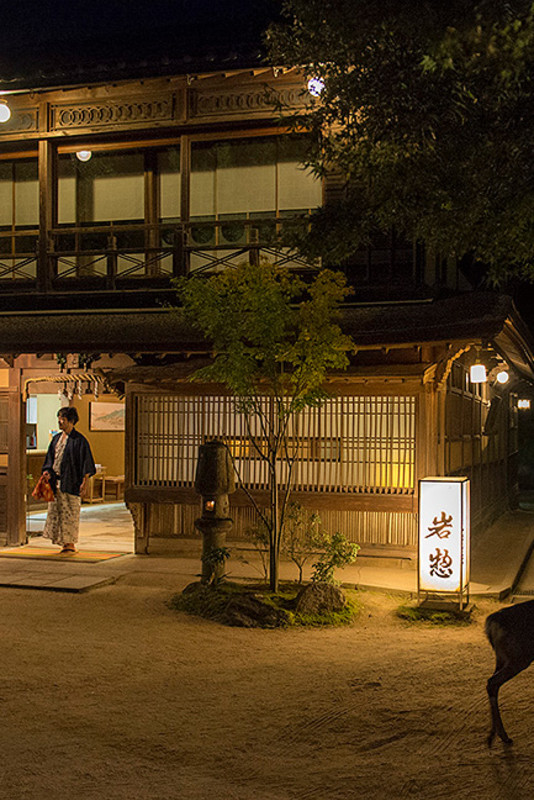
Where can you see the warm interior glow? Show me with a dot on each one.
(83, 155)
(5, 111)
(477, 373)
(523, 403)
(502, 376)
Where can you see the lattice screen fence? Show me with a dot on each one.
(349, 444)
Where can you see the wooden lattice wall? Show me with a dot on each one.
(349, 445)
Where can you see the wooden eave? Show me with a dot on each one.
(158, 105)
(440, 330)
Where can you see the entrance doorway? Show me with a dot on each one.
(104, 527)
(105, 522)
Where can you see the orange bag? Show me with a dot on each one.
(43, 490)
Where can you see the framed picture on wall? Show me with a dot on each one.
(106, 416)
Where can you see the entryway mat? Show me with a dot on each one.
(41, 553)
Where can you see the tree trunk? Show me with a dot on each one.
(274, 554)
(273, 569)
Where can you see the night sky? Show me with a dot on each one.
(49, 43)
(28, 21)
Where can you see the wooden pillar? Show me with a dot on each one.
(185, 173)
(137, 510)
(152, 213)
(16, 471)
(426, 434)
(47, 194)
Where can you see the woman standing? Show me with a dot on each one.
(69, 464)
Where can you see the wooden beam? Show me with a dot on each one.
(47, 213)
(320, 500)
(16, 472)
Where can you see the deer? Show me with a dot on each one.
(511, 634)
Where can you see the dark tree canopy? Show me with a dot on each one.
(427, 111)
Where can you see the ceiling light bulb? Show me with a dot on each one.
(83, 155)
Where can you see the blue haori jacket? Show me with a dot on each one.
(77, 461)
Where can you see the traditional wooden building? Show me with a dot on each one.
(112, 185)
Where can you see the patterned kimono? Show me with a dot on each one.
(63, 517)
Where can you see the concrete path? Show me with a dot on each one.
(499, 558)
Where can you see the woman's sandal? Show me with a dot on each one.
(67, 551)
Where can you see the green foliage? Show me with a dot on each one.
(214, 559)
(338, 552)
(259, 536)
(302, 535)
(273, 335)
(427, 114)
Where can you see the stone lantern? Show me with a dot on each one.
(214, 481)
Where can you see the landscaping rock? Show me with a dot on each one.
(251, 611)
(320, 598)
(195, 588)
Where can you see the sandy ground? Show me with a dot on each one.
(113, 695)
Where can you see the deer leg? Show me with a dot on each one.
(499, 677)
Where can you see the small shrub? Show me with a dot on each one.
(302, 535)
(259, 536)
(338, 552)
(213, 560)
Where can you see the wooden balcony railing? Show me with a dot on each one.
(116, 254)
(132, 254)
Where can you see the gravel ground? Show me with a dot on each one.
(112, 695)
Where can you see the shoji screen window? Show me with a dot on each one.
(105, 192)
(19, 206)
(169, 186)
(109, 187)
(239, 186)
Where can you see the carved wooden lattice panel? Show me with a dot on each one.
(350, 444)
(99, 114)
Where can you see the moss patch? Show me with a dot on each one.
(210, 602)
(434, 616)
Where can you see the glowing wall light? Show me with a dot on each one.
(444, 537)
(502, 376)
(5, 111)
(477, 373)
(315, 86)
(83, 155)
(523, 403)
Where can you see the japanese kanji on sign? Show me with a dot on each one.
(444, 537)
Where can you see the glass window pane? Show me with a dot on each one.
(118, 186)
(109, 187)
(6, 193)
(169, 183)
(202, 183)
(298, 188)
(66, 195)
(26, 193)
(246, 176)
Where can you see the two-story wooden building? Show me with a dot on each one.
(112, 185)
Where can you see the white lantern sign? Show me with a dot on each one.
(444, 544)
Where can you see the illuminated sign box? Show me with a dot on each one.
(444, 539)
